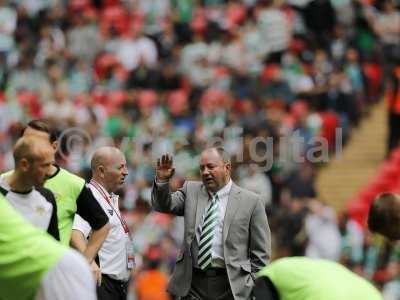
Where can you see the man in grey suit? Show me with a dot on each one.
(227, 237)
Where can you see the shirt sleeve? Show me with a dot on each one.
(81, 225)
(90, 210)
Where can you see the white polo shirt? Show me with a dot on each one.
(32, 205)
(113, 252)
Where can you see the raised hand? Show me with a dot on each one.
(164, 169)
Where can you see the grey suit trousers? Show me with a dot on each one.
(209, 287)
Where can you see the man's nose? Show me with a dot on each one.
(125, 171)
(205, 171)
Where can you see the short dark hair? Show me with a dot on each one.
(43, 126)
(380, 212)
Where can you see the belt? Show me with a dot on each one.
(114, 280)
(210, 272)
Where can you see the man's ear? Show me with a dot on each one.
(23, 165)
(228, 167)
(101, 170)
(55, 145)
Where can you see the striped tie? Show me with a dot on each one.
(210, 219)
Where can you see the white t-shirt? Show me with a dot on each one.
(113, 253)
(323, 234)
(32, 205)
(275, 28)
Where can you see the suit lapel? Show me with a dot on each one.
(202, 199)
(231, 208)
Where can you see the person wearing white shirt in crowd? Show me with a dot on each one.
(115, 257)
(257, 182)
(323, 232)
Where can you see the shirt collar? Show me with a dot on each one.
(101, 189)
(114, 197)
(56, 172)
(225, 190)
(97, 185)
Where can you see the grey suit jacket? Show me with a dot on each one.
(246, 234)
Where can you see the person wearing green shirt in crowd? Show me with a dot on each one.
(33, 265)
(72, 196)
(304, 278)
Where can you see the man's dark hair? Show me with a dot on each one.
(42, 125)
(380, 214)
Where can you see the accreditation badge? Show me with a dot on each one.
(130, 257)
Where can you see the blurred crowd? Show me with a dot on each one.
(155, 76)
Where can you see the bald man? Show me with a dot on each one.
(24, 189)
(115, 257)
(72, 197)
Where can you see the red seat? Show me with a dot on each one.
(358, 211)
(330, 122)
(389, 169)
(395, 157)
(30, 101)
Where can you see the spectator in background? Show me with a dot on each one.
(257, 182)
(352, 241)
(393, 100)
(143, 77)
(134, 48)
(291, 239)
(8, 23)
(323, 234)
(26, 78)
(301, 183)
(83, 37)
(391, 289)
(276, 87)
(386, 23)
(61, 109)
(275, 28)
(320, 17)
(152, 283)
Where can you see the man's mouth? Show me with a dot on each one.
(209, 180)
